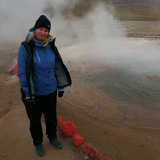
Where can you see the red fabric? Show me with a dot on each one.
(92, 153)
(68, 128)
(104, 159)
(86, 147)
(77, 140)
(59, 121)
(14, 70)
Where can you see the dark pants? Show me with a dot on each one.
(47, 106)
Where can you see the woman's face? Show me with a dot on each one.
(41, 34)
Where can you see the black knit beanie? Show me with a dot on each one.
(43, 22)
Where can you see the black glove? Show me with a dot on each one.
(29, 102)
(60, 94)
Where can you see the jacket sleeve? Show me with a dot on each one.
(61, 89)
(22, 56)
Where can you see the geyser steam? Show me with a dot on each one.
(96, 35)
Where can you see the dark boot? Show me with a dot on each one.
(56, 143)
(39, 150)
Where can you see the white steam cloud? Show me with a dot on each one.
(16, 16)
(97, 34)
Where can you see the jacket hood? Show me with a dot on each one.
(30, 32)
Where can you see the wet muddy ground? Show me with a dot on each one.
(115, 109)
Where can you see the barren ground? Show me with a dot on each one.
(80, 105)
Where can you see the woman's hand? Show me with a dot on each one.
(29, 102)
(60, 94)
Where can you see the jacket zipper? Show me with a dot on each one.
(38, 57)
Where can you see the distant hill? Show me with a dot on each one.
(133, 10)
(129, 1)
(137, 10)
(124, 10)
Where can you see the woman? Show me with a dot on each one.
(41, 72)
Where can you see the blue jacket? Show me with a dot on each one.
(43, 70)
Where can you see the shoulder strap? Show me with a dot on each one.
(29, 61)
